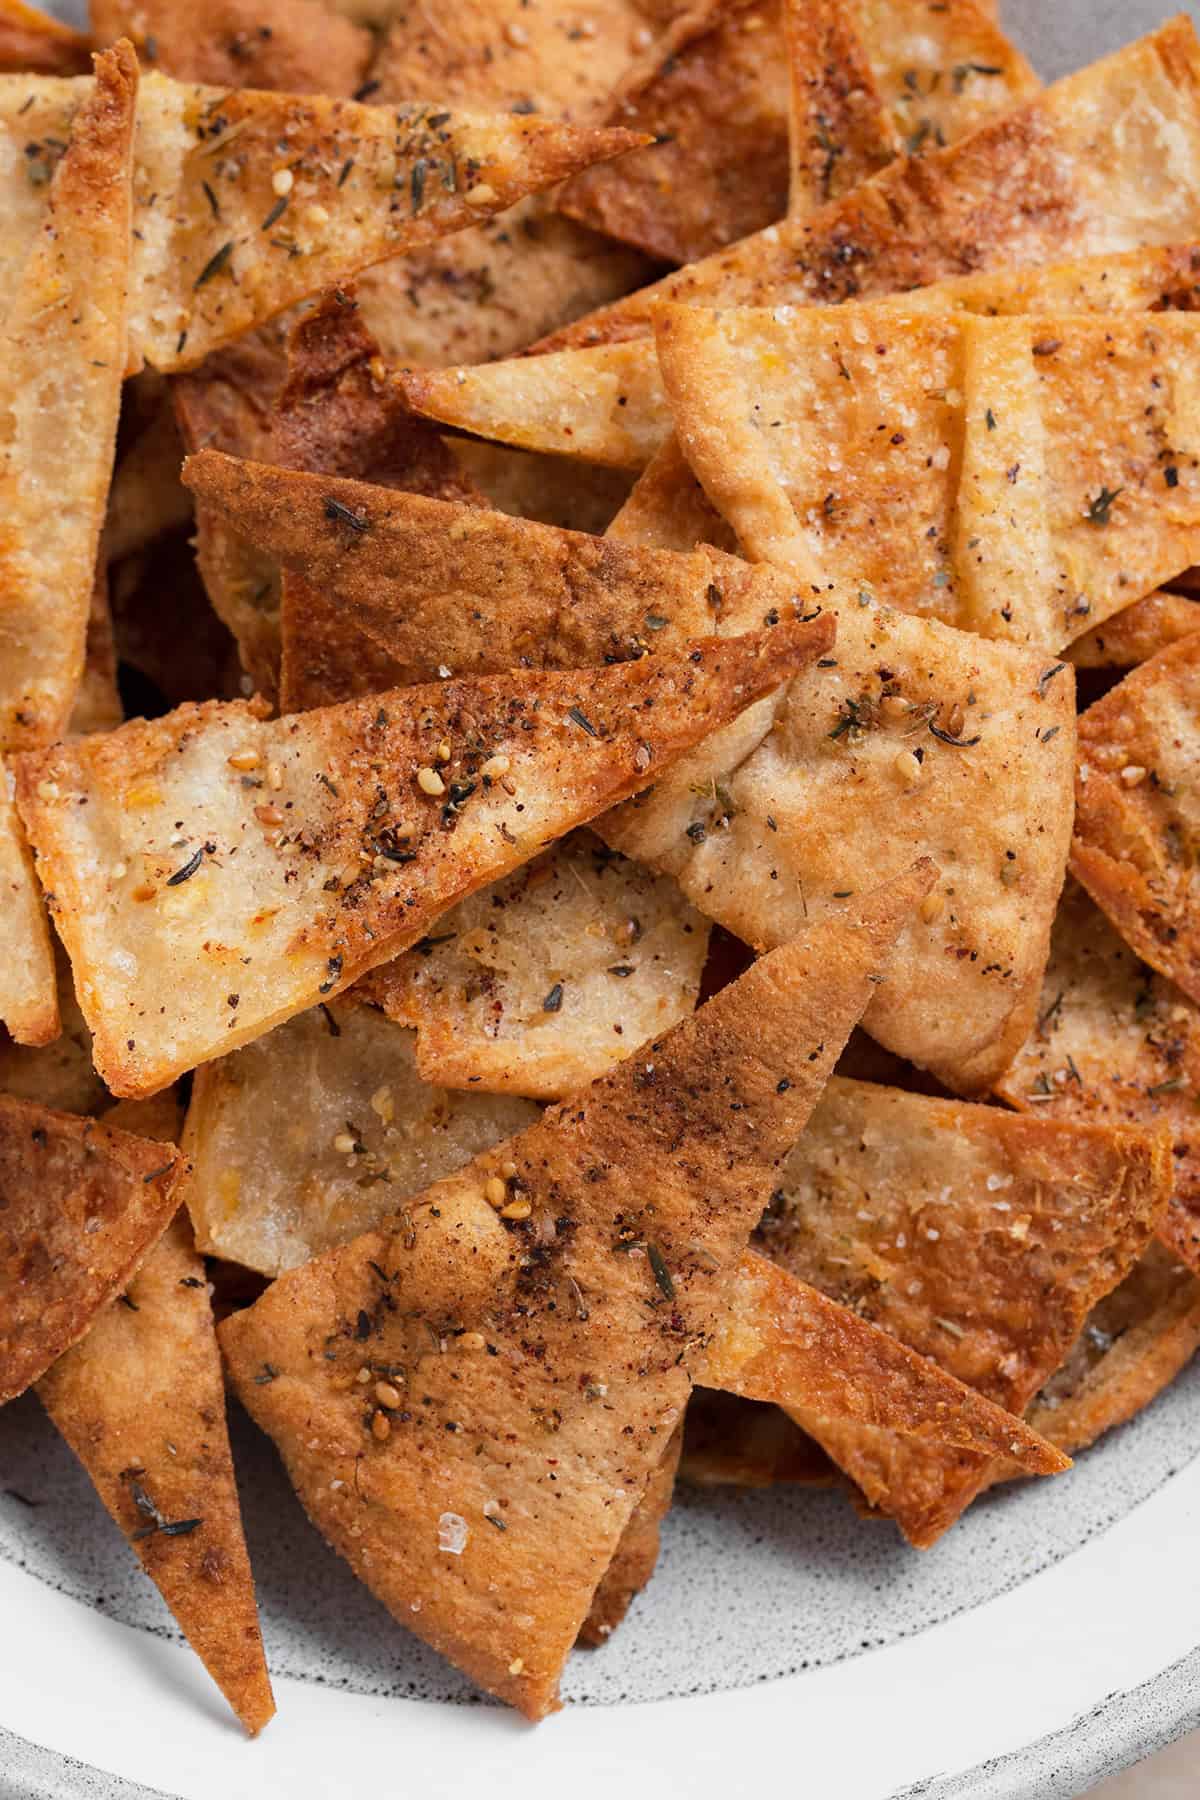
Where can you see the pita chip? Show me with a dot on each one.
(141, 1402)
(315, 846)
(540, 983)
(1016, 477)
(636, 1553)
(57, 1074)
(82, 1206)
(312, 1134)
(609, 1282)
(874, 1405)
(146, 498)
(28, 994)
(31, 41)
(1136, 809)
(1115, 1042)
(64, 339)
(731, 1442)
(978, 1238)
(1062, 175)
(297, 46)
(1138, 632)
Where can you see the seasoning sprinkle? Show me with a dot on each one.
(337, 514)
(580, 718)
(188, 870)
(214, 265)
(276, 212)
(553, 1001)
(662, 1274)
(334, 966)
(1099, 508)
(946, 738)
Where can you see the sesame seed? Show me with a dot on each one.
(274, 776)
(119, 871)
(316, 215)
(387, 1395)
(244, 759)
(472, 1340)
(907, 768)
(516, 35)
(343, 1143)
(508, 1170)
(482, 194)
(495, 767)
(47, 790)
(932, 907)
(516, 1209)
(268, 815)
(364, 1375)
(516, 1665)
(894, 706)
(495, 1191)
(282, 182)
(430, 782)
(443, 751)
(1132, 774)
(381, 1427)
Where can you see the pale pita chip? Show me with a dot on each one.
(1113, 1040)
(1137, 810)
(82, 1206)
(97, 698)
(31, 40)
(872, 1403)
(731, 1442)
(297, 46)
(1137, 632)
(59, 1074)
(62, 356)
(28, 998)
(214, 873)
(607, 404)
(979, 1238)
(543, 981)
(1024, 477)
(313, 1133)
(636, 1553)
(620, 1217)
(746, 826)
(667, 509)
(1074, 171)
(141, 1401)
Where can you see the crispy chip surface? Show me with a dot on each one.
(275, 862)
(141, 1401)
(543, 981)
(28, 995)
(731, 1442)
(1137, 632)
(636, 1553)
(82, 1206)
(272, 1181)
(297, 46)
(612, 1281)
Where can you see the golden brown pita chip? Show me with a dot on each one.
(1137, 632)
(667, 509)
(1017, 477)
(1136, 810)
(549, 489)
(82, 1206)
(541, 1376)
(980, 1239)
(1074, 171)
(636, 1553)
(731, 1442)
(298, 46)
(58, 1074)
(146, 498)
(875, 1405)
(28, 1002)
(1115, 1041)
(62, 353)
(141, 1401)
(214, 873)
(97, 699)
(316, 1131)
(744, 827)
(607, 403)
(31, 40)
(543, 981)
(173, 653)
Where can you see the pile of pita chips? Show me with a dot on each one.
(297, 46)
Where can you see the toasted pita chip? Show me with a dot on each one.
(1015, 477)
(731, 1442)
(82, 1206)
(146, 498)
(272, 1181)
(667, 509)
(1136, 1342)
(1114, 1041)
(636, 1553)
(63, 343)
(980, 1239)
(298, 46)
(1136, 801)
(548, 489)
(141, 1402)
(1137, 632)
(745, 826)
(609, 1282)
(1075, 171)
(316, 846)
(58, 1074)
(97, 699)
(28, 1002)
(607, 403)
(169, 654)
(875, 1405)
(32, 41)
(542, 982)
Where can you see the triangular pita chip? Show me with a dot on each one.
(146, 498)
(62, 357)
(1020, 477)
(82, 1205)
(33, 41)
(877, 1407)
(1074, 171)
(141, 1401)
(313, 1133)
(296, 46)
(731, 1442)
(1137, 632)
(1135, 810)
(28, 997)
(980, 1239)
(745, 824)
(214, 873)
(1113, 1040)
(542, 982)
(607, 403)
(636, 1553)
(59, 1074)
(526, 1364)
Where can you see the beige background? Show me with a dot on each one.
(1174, 1774)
